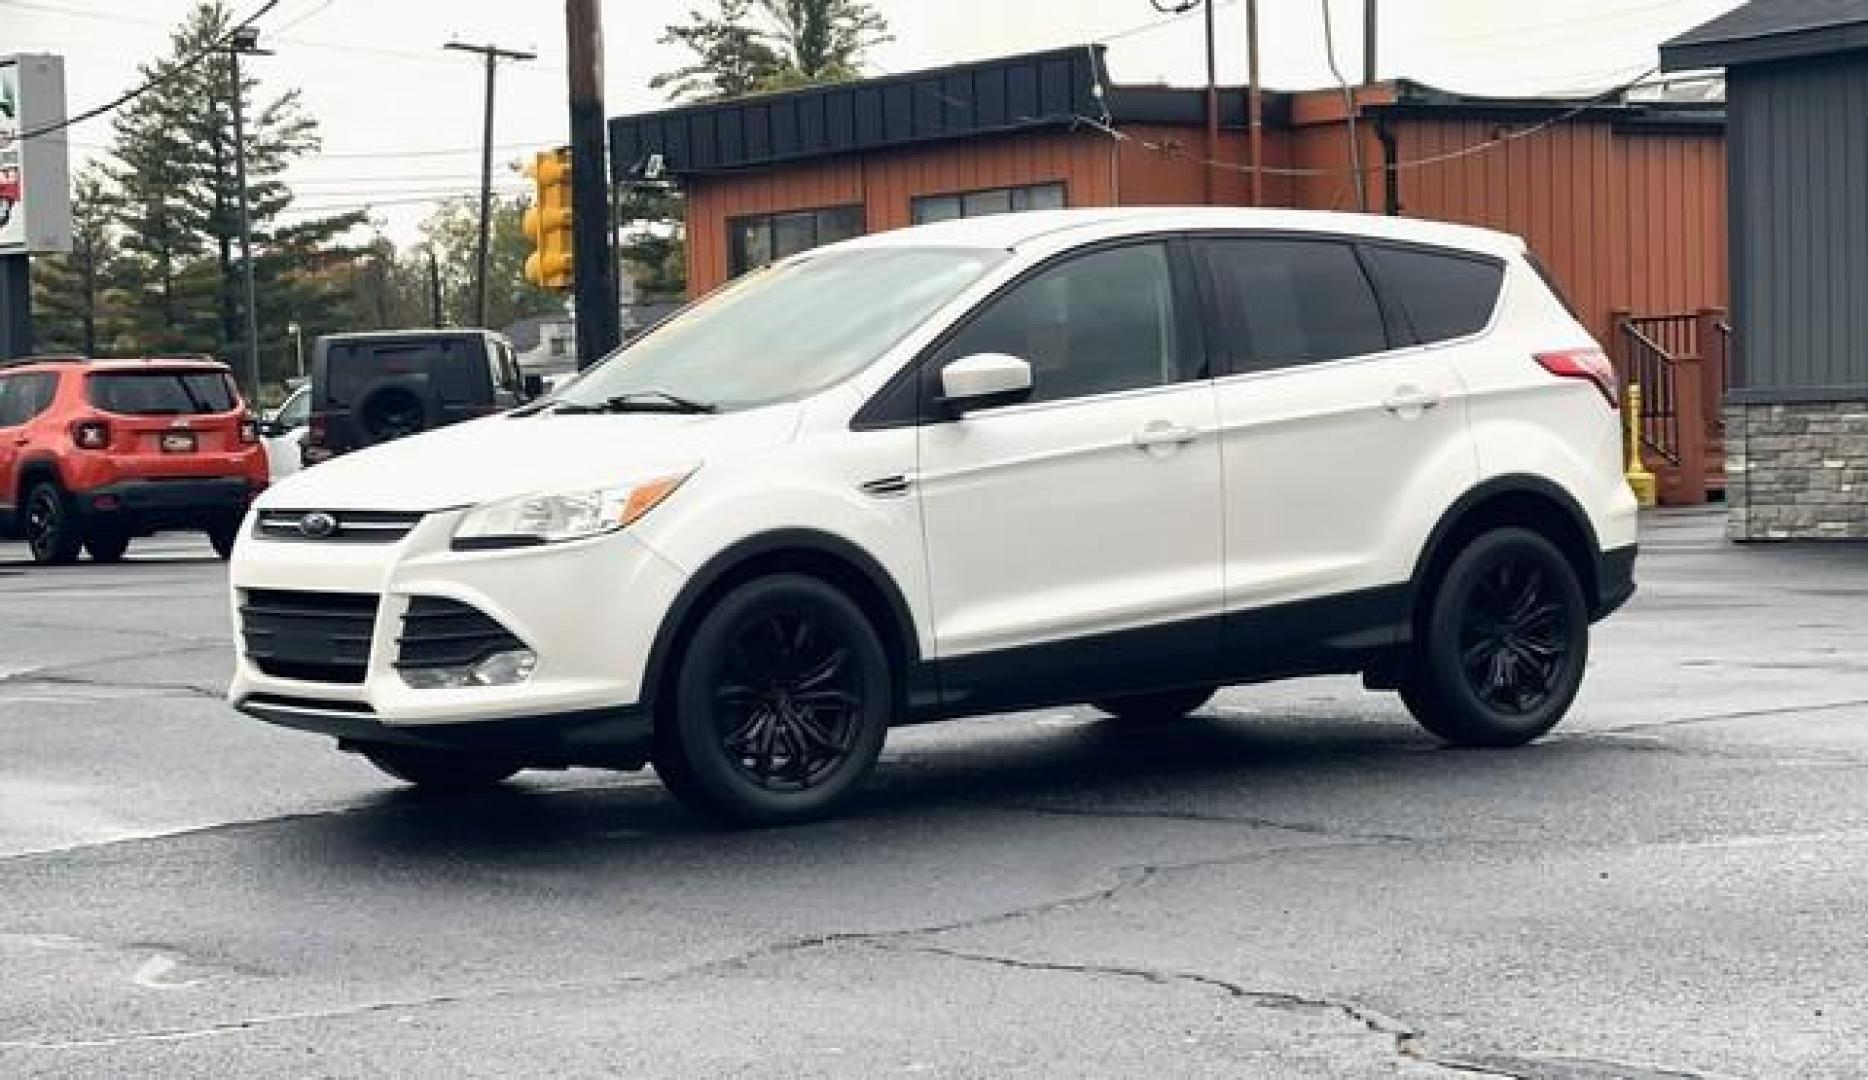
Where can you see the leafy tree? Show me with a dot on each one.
(453, 233)
(739, 49)
(71, 293)
(652, 243)
(824, 40)
(731, 58)
(178, 209)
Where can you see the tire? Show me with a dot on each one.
(1504, 643)
(50, 526)
(1157, 708)
(223, 537)
(439, 770)
(107, 545)
(779, 706)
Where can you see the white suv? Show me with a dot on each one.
(1122, 457)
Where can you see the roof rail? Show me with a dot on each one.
(50, 358)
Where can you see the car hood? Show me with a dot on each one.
(504, 456)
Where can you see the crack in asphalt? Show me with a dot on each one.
(1711, 718)
(171, 690)
(66, 673)
(1301, 827)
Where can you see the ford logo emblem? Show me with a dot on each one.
(317, 526)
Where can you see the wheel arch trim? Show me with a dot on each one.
(725, 567)
(1435, 552)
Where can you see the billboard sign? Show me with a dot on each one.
(35, 169)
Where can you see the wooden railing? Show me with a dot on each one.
(1680, 361)
(1650, 366)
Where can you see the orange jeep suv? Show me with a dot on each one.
(94, 453)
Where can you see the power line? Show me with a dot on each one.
(161, 78)
(1415, 163)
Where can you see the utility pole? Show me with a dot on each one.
(434, 289)
(493, 54)
(1371, 20)
(1255, 103)
(246, 43)
(1212, 106)
(594, 275)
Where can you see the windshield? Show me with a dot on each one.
(791, 330)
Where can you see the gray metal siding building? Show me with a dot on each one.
(1797, 407)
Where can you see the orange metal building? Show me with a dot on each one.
(1623, 202)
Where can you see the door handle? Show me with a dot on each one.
(1408, 399)
(1162, 433)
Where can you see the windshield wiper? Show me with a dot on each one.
(640, 401)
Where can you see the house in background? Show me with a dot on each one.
(1796, 414)
(1622, 199)
(546, 344)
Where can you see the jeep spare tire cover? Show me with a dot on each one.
(394, 409)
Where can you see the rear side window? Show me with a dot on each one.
(23, 397)
(1280, 303)
(162, 393)
(1444, 295)
(458, 369)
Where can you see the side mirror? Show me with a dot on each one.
(983, 381)
(271, 429)
(534, 386)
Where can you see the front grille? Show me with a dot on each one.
(346, 526)
(439, 633)
(313, 636)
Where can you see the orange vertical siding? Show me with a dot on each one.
(1624, 218)
(884, 184)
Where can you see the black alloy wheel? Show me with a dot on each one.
(781, 704)
(1505, 643)
(51, 529)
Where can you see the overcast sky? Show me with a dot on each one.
(401, 119)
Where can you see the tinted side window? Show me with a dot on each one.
(1444, 295)
(1097, 324)
(1284, 302)
(23, 397)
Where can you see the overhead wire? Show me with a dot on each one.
(160, 78)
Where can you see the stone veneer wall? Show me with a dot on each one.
(1797, 471)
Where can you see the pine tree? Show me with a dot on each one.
(72, 294)
(179, 208)
(793, 43)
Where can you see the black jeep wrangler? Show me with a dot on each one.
(371, 388)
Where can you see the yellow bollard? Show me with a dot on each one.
(1642, 481)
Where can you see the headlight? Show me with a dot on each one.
(555, 517)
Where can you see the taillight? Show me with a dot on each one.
(249, 431)
(1584, 364)
(314, 430)
(91, 434)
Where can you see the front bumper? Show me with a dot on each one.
(617, 738)
(589, 610)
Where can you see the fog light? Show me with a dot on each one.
(500, 669)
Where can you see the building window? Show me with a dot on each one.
(559, 348)
(767, 238)
(1008, 200)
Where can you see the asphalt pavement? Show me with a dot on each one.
(1296, 883)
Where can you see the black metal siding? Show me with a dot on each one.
(1799, 205)
(1042, 90)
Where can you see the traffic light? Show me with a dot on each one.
(548, 222)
